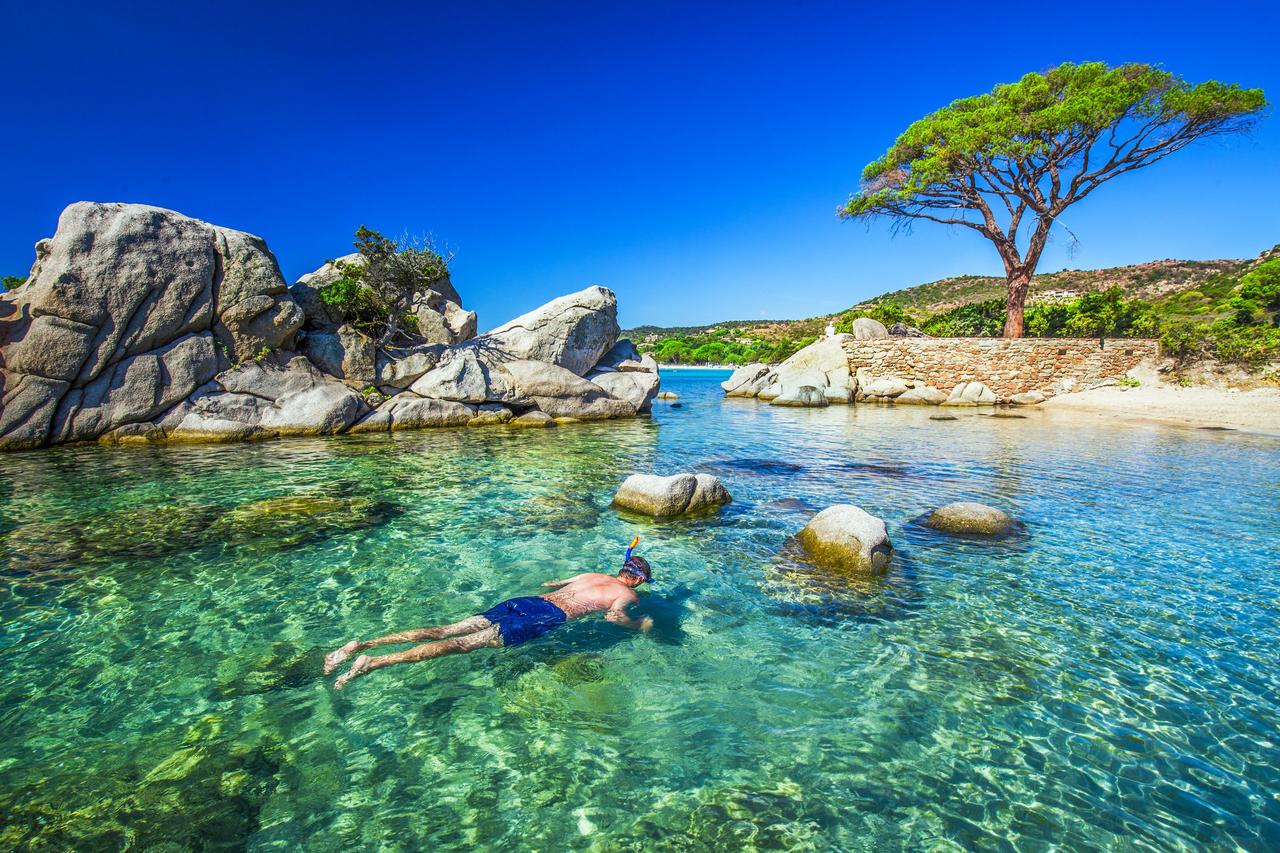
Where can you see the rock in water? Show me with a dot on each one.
(561, 394)
(805, 395)
(277, 396)
(128, 310)
(971, 394)
(847, 537)
(571, 332)
(866, 329)
(823, 365)
(1028, 398)
(667, 497)
(743, 381)
(969, 517)
(532, 420)
(926, 395)
(636, 388)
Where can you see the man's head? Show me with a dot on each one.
(635, 571)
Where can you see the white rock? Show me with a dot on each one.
(572, 332)
(666, 497)
(864, 329)
(924, 396)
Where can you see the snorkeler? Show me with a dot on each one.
(512, 622)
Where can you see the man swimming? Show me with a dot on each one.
(512, 622)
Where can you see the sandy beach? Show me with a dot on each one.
(1249, 411)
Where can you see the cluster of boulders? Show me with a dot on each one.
(849, 538)
(819, 375)
(141, 324)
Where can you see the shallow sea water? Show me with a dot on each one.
(1105, 678)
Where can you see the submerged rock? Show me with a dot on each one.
(847, 537)
(667, 497)
(286, 521)
(969, 517)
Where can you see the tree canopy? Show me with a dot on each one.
(1008, 163)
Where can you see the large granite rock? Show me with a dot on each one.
(667, 497)
(344, 353)
(409, 411)
(127, 311)
(638, 388)
(866, 329)
(969, 517)
(277, 396)
(882, 389)
(561, 394)
(847, 537)
(399, 367)
(572, 332)
(804, 396)
(746, 381)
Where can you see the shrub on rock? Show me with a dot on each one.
(847, 537)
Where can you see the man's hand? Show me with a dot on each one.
(619, 617)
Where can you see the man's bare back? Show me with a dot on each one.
(514, 621)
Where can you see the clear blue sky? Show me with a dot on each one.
(690, 156)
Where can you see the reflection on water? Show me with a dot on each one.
(1104, 678)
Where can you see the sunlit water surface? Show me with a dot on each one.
(1105, 678)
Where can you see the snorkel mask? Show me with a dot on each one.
(636, 566)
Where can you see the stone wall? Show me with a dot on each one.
(1007, 367)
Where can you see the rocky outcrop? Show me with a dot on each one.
(127, 311)
(1028, 398)
(667, 497)
(822, 366)
(883, 389)
(969, 517)
(141, 324)
(574, 332)
(849, 538)
(902, 330)
(278, 396)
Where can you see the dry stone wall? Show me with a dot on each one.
(1006, 366)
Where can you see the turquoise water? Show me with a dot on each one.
(1106, 678)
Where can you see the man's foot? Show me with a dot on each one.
(332, 659)
(359, 668)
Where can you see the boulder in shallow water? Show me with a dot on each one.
(883, 388)
(925, 395)
(532, 420)
(667, 497)
(804, 395)
(847, 537)
(969, 517)
(1028, 398)
(490, 414)
(637, 388)
(562, 394)
(743, 381)
(971, 394)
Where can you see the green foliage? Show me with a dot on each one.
(711, 347)
(9, 282)
(1128, 382)
(377, 294)
(1047, 115)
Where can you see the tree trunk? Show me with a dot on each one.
(1019, 281)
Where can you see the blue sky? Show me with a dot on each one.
(690, 156)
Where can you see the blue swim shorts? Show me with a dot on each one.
(522, 619)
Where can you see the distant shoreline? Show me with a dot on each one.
(697, 367)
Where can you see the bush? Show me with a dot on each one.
(9, 282)
(378, 295)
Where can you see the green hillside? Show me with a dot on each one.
(1223, 309)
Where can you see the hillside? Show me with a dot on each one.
(1149, 299)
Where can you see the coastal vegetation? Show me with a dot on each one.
(378, 287)
(9, 282)
(1009, 163)
(1223, 310)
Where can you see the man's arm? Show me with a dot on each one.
(617, 614)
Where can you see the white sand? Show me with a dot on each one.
(1249, 411)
